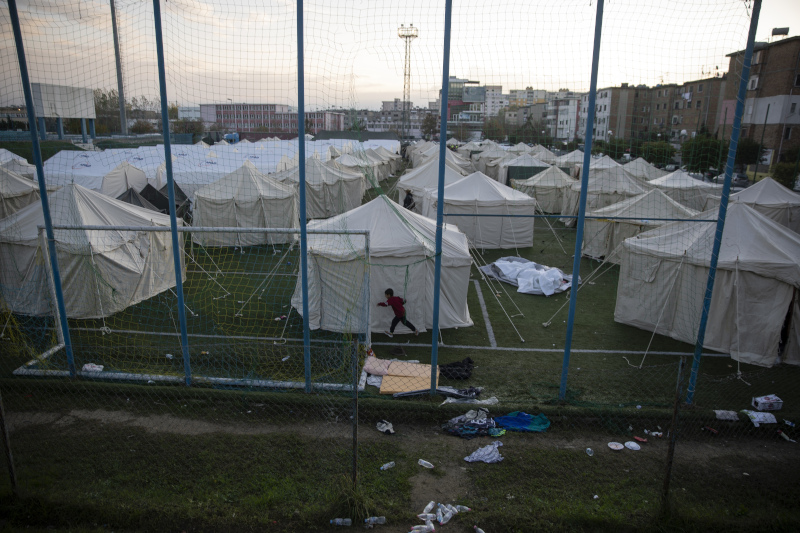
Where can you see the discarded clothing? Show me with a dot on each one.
(519, 421)
(529, 277)
(475, 423)
(487, 454)
(727, 415)
(384, 426)
(375, 381)
(457, 370)
(489, 401)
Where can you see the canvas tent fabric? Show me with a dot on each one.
(394, 159)
(21, 167)
(543, 154)
(452, 141)
(419, 180)
(451, 158)
(684, 189)
(246, 198)
(134, 198)
(663, 276)
(104, 271)
(16, 192)
(367, 168)
(606, 186)
(122, 178)
(493, 167)
(478, 194)
(575, 157)
(774, 201)
(401, 257)
(329, 191)
(603, 238)
(641, 169)
(520, 168)
(480, 159)
(548, 187)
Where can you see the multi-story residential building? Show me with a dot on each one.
(527, 96)
(465, 103)
(495, 100)
(774, 84)
(246, 117)
(388, 120)
(563, 114)
(395, 105)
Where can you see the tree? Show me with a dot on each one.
(657, 152)
(142, 126)
(700, 153)
(785, 174)
(615, 148)
(172, 111)
(461, 132)
(429, 125)
(747, 152)
(184, 125)
(495, 130)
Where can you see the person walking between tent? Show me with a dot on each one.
(408, 201)
(396, 303)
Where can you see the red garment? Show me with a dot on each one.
(396, 303)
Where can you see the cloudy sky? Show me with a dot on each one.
(245, 50)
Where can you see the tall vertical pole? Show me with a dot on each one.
(587, 155)
(12, 473)
(123, 121)
(723, 204)
(37, 159)
(173, 219)
(437, 271)
(301, 139)
(761, 144)
(406, 87)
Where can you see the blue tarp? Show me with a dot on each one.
(519, 421)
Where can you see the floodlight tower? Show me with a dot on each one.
(408, 34)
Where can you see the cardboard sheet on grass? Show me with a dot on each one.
(406, 377)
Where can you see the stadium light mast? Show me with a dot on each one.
(408, 34)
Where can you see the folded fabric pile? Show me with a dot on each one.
(475, 423)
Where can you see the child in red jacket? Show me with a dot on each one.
(396, 303)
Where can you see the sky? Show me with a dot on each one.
(246, 50)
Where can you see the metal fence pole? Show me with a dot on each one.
(437, 270)
(301, 139)
(173, 220)
(587, 157)
(123, 121)
(723, 204)
(37, 159)
(7, 448)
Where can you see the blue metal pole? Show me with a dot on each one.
(83, 130)
(723, 204)
(37, 159)
(437, 269)
(301, 139)
(42, 128)
(587, 156)
(173, 219)
(91, 129)
(60, 128)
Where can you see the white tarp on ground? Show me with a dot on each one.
(104, 272)
(547, 187)
(603, 238)
(528, 277)
(527, 161)
(246, 198)
(329, 191)
(478, 194)
(420, 179)
(663, 276)
(401, 257)
(21, 167)
(774, 201)
(122, 178)
(686, 190)
(16, 192)
(643, 170)
(607, 185)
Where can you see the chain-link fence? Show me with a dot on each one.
(303, 316)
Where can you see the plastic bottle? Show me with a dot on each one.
(589, 452)
(342, 522)
(426, 464)
(429, 507)
(426, 516)
(462, 508)
(478, 530)
(451, 508)
(375, 520)
(446, 516)
(387, 466)
(439, 515)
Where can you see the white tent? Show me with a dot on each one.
(420, 179)
(480, 159)
(381, 163)
(104, 271)
(774, 201)
(663, 278)
(329, 191)
(520, 148)
(16, 192)
(246, 198)
(21, 167)
(465, 149)
(543, 154)
(606, 186)
(478, 194)
(401, 257)
(202, 144)
(641, 169)
(122, 178)
(493, 167)
(452, 160)
(571, 159)
(603, 238)
(684, 189)
(394, 159)
(548, 187)
(521, 167)
(452, 141)
(366, 167)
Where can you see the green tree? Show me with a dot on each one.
(142, 126)
(172, 111)
(657, 152)
(747, 152)
(494, 129)
(615, 148)
(700, 153)
(785, 174)
(184, 125)
(429, 125)
(461, 132)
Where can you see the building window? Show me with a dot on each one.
(697, 104)
(753, 83)
(677, 105)
(797, 81)
(700, 88)
(787, 133)
(793, 107)
(658, 106)
(756, 58)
